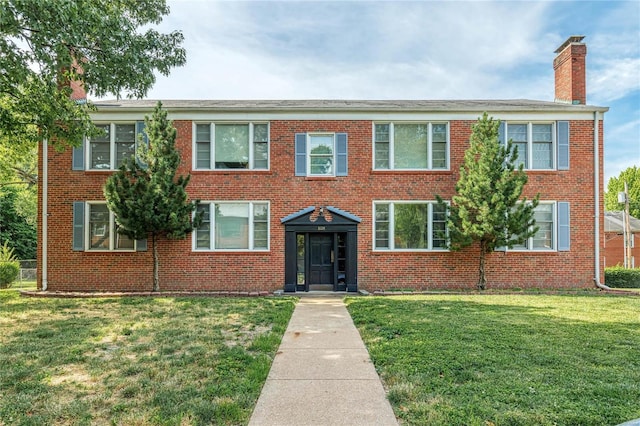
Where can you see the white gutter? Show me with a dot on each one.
(45, 213)
(596, 165)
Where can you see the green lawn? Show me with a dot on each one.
(505, 360)
(135, 361)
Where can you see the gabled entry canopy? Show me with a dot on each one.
(309, 217)
(321, 249)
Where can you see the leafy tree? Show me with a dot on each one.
(146, 196)
(487, 207)
(19, 169)
(630, 175)
(104, 46)
(15, 229)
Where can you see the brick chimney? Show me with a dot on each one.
(570, 70)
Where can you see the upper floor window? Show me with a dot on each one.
(107, 152)
(231, 146)
(535, 142)
(233, 225)
(411, 146)
(321, 154)
(409, 225)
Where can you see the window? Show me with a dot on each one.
(552, 220)
(411, 146)
(321, 154)
(535, 142)
(103, 230)
(233, 226)
(108, 151)
(409, 225)
(221, 146)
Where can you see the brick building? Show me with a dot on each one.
(614, 239)
(335, 194)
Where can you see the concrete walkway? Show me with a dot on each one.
(322, 373)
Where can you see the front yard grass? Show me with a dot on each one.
(136, 361)
(505, 359)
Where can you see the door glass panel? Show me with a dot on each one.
(300, 258)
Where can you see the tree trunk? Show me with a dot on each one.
(482, 281)
(156, 278)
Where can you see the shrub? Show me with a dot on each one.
(9, 266)
(619, 277)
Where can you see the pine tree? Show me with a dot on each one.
(487, 207)
(146, 196)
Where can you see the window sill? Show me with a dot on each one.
(410, 172)
(230, 171)
(230, 251)
(321, 178)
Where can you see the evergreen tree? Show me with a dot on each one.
(146, 196)
(487, 207)
(631, 175)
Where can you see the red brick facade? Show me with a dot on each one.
(182, 268)
(568, 184)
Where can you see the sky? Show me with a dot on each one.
(410, 50)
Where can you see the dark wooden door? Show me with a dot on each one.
(321, 259)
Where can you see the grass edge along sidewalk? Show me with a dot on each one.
(505, 359)
(182, 361)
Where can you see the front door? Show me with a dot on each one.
(321, 258)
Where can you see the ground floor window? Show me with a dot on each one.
(233, 225)
(103, 230)
(409, 225)
(546, 221)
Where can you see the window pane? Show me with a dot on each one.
(203, 155)
(232, 226)
(260, 132)
(518, 134)
(543, 240)
(122, 241)
(542, 155)
(542, 146)
(439, 146)
(382, 226)
(98, 226)
(410, 146)
(125, 142)
(439, 226)
(381, 146)
(411, 226)
(260, 226)
(260, 155)
(321, 154)
(100, 148)
(300, 258)
(203, 234)
(232, 146)
(203, 146)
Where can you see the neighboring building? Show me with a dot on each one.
(332, 194)
(614, 239)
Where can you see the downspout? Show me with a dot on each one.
(596, 165)
(45, 213)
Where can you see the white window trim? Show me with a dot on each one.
(308, 159)
(429, 146)
(554, 143)
(212, 150)
(391, 248)
(112, 145)
(112, 231)
(212, 228)
(554, 229)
